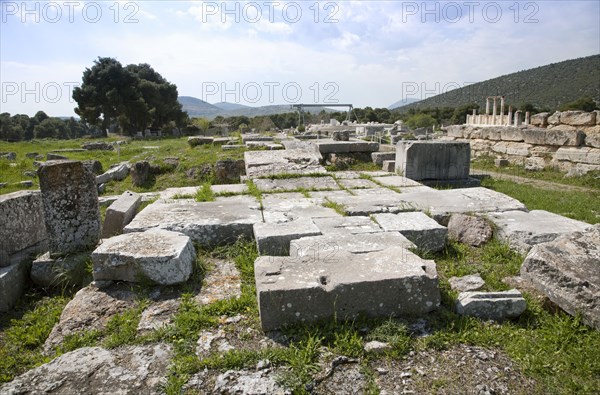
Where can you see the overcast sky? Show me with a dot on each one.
(368, 53)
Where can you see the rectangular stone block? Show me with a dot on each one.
(22, 221)
(380, 157)
(359, 243)
(433, 160)
(586, 155)
(116, 173)
(522, 230)
(289, 161)
(423, 231)
(292, 184)
(274, 238)
(388, 283)
(339, 226)
(496, 306)
(160, 256)
(559, 137)
(71, 210)
(206, 223)
(120, 213)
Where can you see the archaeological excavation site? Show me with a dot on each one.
(328, 261)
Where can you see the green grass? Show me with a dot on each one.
(582, 206)
(552, 174)
(204, 193)
(339, 208)
(133, 151)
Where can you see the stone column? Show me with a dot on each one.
(71, 211)
(527, 117)
(509, 115)
(487, 106)
(502, 105)
(517, 118)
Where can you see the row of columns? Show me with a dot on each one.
(494, 118)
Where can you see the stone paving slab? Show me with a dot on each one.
(291, 184)
(274, 238)
(327, 146)
(157, 255)
(357, 183)
(442, 204)
(397, 181)
(207, 223)
(289, 161)
(328, 246)
(386, 283)
(229, 188)
(522, 230)
(283, 207)
(346, 225)
(417, 227)
(371, 201)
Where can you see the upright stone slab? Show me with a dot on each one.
(22, 221)
(392, 282)
(120, 213)
(433, 160)
(71, 210)
(12, 284)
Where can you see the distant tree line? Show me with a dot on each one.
(22, 127)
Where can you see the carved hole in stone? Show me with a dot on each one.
(323, 280)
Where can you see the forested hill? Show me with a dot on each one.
(548, 87)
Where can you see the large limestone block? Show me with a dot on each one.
(116, 173)
(540, 120)
(496, 306)
(380, 157)
(586, 155)
(290, 161)
(554, 136)
(510, 133)
(567, 270)
(327, 146)
(433, 160)
(578, 118)
(71, 210)
(387, 283)
(206, 223)
(339, 225)
(120, 213)
(512, 148)
(274, 238)
(331, 244)
(157, 255)
(292, 184)
(522, 230)
(456, 131)
(22, 219)
(592, 136)
(426, 233)
(94, 370)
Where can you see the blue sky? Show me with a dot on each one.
(368, 53)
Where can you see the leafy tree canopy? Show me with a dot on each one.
(136, 97)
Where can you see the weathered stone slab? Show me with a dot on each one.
(397, 181)
(327, 146)
(94, 370)
(357, 183)
(417, 227)
(157, 255)
(284, 207)
(567, 270)
(274, 238)
(12, 284)
(512, 148)
(380, 157)
(194, 141)
(540, 119)
(22, 219)
(510, 133)
(206, 223)
(116, 173)
(522, 230)
(578, 118)
(71, 211)
(337, 226)
(497, 306)
(442, 204)
(433, 160)
(560, 137)
(120, 213)
(255, 137)
(327, 246)
(229, 189)
(387, 283)
(579, 154)
(292, 184)
(371, 201)
(592, 136)
(289, 161)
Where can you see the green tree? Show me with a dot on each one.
(51, 128)
(420, 120)
(583, 104)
